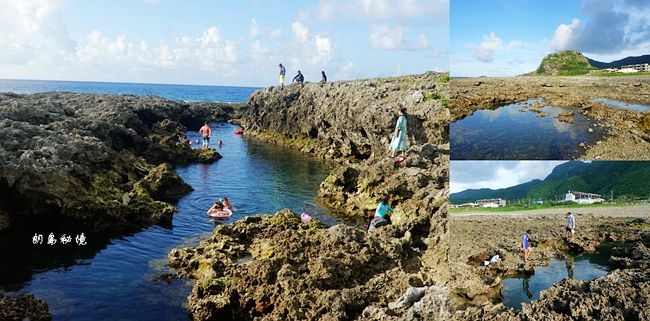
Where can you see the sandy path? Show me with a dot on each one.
(609, 211)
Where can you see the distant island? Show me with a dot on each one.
(620, 179)
(574, 63)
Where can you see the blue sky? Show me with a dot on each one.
(496, 174)
(220, 42)
(510, 37)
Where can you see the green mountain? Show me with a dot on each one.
(510, 193)
(623, 178)
(564, 63)
(645, 59)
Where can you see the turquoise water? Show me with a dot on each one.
(519, 290)
(507, 133)
(113, 279)
(622, 105)
(176, 92)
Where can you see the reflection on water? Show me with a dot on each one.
(621, 104)
(519, 290)
(113, 279)
(508, 133)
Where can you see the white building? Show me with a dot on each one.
(637, 67)
(627, 70)
(583, 198)
(492, 202)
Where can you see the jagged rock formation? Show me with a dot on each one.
(275, 267)
(100, 161)
(475, 291)
(351, 120)
(23, 307)
(340, 273)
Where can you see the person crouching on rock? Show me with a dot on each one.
(299, 78)
(398, 143)
(382, 213)
(525, 245)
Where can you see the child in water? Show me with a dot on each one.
(219, 209)
(226, 203)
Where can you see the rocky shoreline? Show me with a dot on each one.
(475, 292)
(629, 131)
(274, 267)
(97, 164)
(102, 162)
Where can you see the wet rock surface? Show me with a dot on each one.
(271, 268)
(97, 161)
(475, 288)
(629, 136)
(23, 307)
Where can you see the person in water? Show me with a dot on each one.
(323, 77)
(299, 78)
(226, 203)
(283, 71)
(570, 225)
(205, 132)
(219, 209)
(398, 143)
(220, 143)
(525, 245)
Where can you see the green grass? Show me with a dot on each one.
(514, 208)
(618, 74)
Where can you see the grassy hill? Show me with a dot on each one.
(564, 63)
(627, 179)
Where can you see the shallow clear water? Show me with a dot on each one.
(113, 280)
(621, 104)
(519, 290)
(507, 133)
(177, 92)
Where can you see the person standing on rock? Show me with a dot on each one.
(205, 132)
(525, 245)
(323, 77)
(570, 225)
(282, 73)
(398, 143)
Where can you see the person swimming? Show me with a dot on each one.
(226, 203)
(219, 209)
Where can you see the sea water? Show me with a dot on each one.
(508, 133)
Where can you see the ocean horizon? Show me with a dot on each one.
(185, 92)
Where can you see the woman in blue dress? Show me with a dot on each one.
(398, 144)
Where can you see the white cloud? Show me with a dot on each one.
(607, 28)
(324, 50)
(564, 36)
(275, 33)
(208, 52)
(385, 37)
(496, 174)
(255, 28)
(485, 50)
(300, 31)
(32, 29)
(381, 9)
